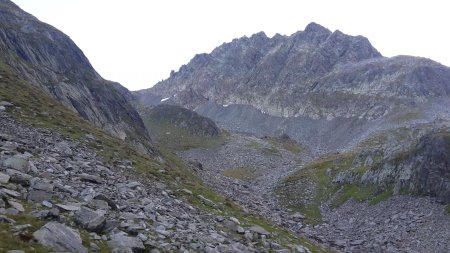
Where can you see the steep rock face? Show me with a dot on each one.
(315, 73)
(49, 59)
(423, 169)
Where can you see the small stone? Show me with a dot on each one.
(142, 237)
(4, 219)
(4, 179)
(297, 216)
(91, 178)
(187, 191)
(19, 207)
(235, 220)
(259, 230)
(11, 193)
(47, 204)
(94, 247)
(64, 149)
(133, 185)
(240, 230)
(68, 207)
(6, 104)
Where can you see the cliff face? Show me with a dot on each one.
(315, 73)
(50, 60)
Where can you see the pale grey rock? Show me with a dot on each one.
(89, 219)
(120, 241)
(59, 237)
(68, 207)
(259, 230)
(64, 148)
(91, 178)
(11, 193)
(17, 162)
(4, 179)
(19, 207)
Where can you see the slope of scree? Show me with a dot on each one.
(50, 60)
(60, 175)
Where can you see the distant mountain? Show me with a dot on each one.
(50, 60)
(315, 73)
(325, 89)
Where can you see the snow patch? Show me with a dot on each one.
(164, 99)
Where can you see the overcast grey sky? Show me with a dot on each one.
(138, 42)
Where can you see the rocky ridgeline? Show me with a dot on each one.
(65, 184)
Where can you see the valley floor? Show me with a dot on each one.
(247, 170)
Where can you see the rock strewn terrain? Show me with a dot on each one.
(87, 205)
(398, 224)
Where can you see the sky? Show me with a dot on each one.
(138, 42)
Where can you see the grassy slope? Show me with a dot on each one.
(39, 110)
(307, 189)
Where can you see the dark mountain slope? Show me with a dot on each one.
(50, 60)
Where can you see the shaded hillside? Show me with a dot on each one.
(180, 128)
(50, 60)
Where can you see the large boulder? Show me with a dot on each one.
(122, 243)
(59, 237)
(89, 219)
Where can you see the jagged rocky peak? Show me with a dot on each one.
(314, 73)
(51, 61)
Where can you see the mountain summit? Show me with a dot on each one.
(315, 73)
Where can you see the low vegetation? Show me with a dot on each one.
(242, 173)
(308, 188)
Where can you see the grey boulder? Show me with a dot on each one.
(59, 237)
(122, 243)
(89, 219)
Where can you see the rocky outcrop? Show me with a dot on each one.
(423, 169)
(50, 60)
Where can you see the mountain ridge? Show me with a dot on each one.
(262, 72)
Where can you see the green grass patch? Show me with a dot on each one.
(242, 173)
(270, 151)
(447, 208)
(176, 138)
(254, 145)
(286, 143)
(22, 241)
(306, 189)
(381, 197)
(357, 192)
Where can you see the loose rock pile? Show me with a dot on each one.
(65, 184)
(400, 224)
